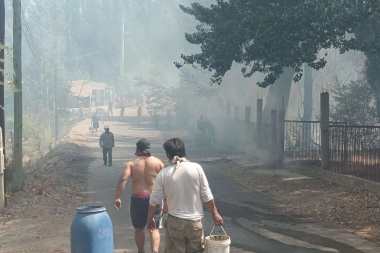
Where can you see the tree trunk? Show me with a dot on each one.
(373, 76)
(18, 175)
(278, 94)
(307, 105)
(369, 31)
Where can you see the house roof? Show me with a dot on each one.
(83, 88)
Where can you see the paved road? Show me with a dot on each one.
(247, 220)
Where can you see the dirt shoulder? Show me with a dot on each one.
(305, 193)
(37, 217)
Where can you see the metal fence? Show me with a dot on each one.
(302, 141)
(354, 150)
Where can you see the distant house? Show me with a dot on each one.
(90, 93)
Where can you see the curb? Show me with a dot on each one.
(351, 181)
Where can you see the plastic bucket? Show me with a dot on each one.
(217, 243)
(91, 231)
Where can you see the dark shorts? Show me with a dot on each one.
(139, 212)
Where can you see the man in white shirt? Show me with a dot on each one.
(184, 186)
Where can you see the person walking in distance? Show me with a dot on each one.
(139, 113)
(142, 171)
(107, 142)
(110, 108)
(122, 107)
(184, 186)
(95, 123)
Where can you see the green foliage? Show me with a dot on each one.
(160, 98)
(177, 101)
(37, 134)
(268, 36)
(355, 103)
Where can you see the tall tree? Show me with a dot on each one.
(269, 36)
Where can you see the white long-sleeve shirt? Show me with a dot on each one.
(184, 186)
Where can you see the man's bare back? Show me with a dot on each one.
(143, 171)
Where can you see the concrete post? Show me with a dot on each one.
(273, 137)
(280, 137)
(259, 121)
(247, 125)
(325, 142)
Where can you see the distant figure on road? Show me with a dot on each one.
(143, 171)
(139, 113)
(110, 107)
(81, 112)
(185, 186)
(210, 129)
(169, 119)
(107, 142)
(201, 125)
(122, 106)
(156, 118)
(95, 123)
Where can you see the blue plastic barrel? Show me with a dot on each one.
(91, 231)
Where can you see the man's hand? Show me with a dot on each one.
(218, 220)
(151, 224)
(101, 146)
(117, 204)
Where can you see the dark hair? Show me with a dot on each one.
(174, 147)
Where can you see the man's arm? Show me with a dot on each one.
(113, 141)
(218, 220)
(121, 185)
(101, 140)
(155, 200)
(151, 223)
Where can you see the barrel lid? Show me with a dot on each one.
(90, 209)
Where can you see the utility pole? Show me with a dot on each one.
(122, 48)
(55, 95)
(2, 54)
(2, 118)
(18, 175)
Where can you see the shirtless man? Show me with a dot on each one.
(143, 171)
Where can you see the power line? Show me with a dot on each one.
(30, 41)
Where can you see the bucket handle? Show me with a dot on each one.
(220, 227)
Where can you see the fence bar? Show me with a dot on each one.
(259, 122)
